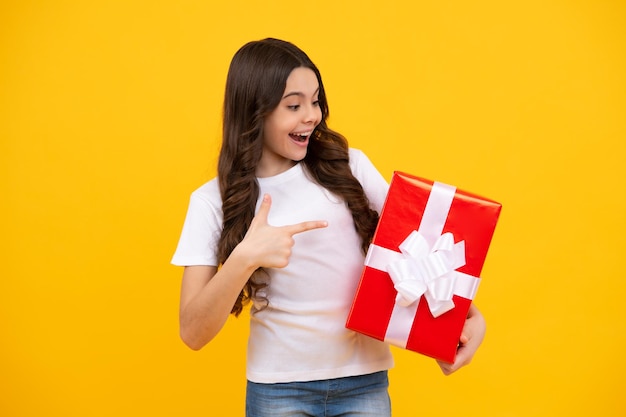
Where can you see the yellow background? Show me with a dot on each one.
(110, 117)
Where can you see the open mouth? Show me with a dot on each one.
(300, 137)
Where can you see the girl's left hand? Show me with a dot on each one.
(471, 337)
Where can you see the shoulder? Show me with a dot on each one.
(373, 183)
(208, 194)
(357, 157)
(359, 162)
(208, 190)
(355, 154)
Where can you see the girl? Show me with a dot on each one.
(286, 225)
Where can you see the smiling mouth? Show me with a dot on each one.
(300, 137)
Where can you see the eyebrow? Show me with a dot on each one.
(299, 93)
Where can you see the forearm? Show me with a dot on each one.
(204, 313)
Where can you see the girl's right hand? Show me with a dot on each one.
(269, 246)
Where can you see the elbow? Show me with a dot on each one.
(192, 345)
(192, 339)
(197, 333)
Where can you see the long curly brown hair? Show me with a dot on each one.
(255, 84)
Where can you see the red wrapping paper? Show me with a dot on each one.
(471, 218)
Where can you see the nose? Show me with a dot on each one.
(313, 114)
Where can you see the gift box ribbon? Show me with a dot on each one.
(426, 265)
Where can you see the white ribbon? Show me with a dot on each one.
(426, 265)
(427, 271)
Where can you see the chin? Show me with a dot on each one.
(299, 156)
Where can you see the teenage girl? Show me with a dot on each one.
(286, 225)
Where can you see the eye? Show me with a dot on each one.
(316, 103)
(294, 107)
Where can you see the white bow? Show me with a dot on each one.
(427, 271)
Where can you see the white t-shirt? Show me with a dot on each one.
(301, 335)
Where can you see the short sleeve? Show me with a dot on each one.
(201, 232)
(374, 184)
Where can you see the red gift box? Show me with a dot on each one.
(422, 269)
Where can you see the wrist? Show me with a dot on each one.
(240, 258)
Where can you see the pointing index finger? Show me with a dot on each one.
(306, 226)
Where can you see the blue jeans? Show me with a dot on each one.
(362, 395)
